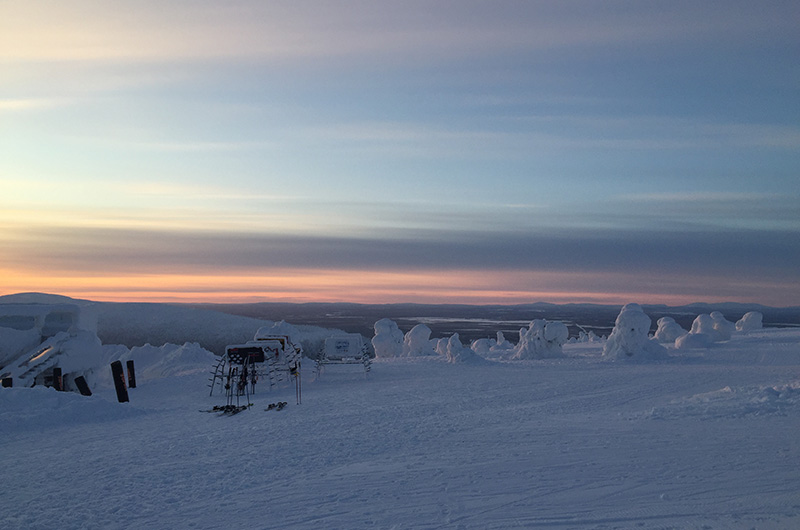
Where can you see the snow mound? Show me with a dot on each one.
(668, 330)
(750, 321)
(458, 353)
(497, 348)
(40, 407)
(706, 330)
(729, 402)
(388, 339)
(693, 340)
(630, 337)
(542, 340)
(724, 327)
(418, 342)
(281, 328)
(151, 362)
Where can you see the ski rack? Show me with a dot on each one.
(273, 358)
(325, 358)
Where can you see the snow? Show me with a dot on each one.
(542, 340)
(388, 339)
(456, 352)
(418, 341)
(698, 438)
(629, 339)
(668, 330)
(750, 321)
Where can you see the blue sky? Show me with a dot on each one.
(411, 151)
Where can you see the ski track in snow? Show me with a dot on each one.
(420, 443)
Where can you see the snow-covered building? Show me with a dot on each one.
(36, 338)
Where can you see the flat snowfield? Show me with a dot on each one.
(709, 439)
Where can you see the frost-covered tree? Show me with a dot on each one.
(724, 327)
(630, 336)
(750, 321)
(418, 342)
(388, 339)
(458, 353)
(668, 330)
(541, 340)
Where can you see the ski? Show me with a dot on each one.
(276, 406)
(227, 410)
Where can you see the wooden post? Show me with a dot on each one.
(83, 388)
(131, 374)
(58, 380)
(119, 381)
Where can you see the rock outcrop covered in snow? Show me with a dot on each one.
(630, 337)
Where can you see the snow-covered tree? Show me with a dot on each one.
(724, 327)
(750, 321)
(541, 340)
(388, 339)
(668, 330)
(630, 336)
(418, 342)
(458, 353)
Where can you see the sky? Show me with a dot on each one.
(407, 151)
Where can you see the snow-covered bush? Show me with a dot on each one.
(724, 327)
(706, 330)
(750, 321)
(502, 343)
(498, 348)
(714, 326)
(541, 340)
(482, 347)
(388, 339)
(458, 353)
(668, 330)
(704, 324)
(693, 340)
(418, 341)
(630, 336)
(584, 337)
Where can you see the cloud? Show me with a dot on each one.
(772, 254)
(29, 104)
(149, 30)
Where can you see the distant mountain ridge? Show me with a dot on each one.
(215, 325)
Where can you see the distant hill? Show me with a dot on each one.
(216, 325)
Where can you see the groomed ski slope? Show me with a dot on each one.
(709, 440)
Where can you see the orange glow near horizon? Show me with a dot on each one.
(375, 287)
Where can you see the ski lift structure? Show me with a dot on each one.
(344, 349)
(271, 358)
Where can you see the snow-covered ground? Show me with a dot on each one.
(706, 438)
